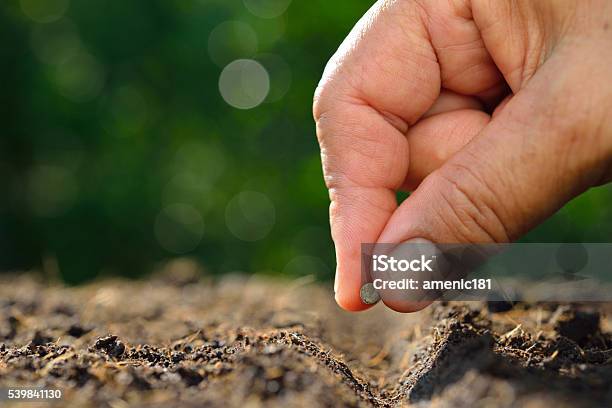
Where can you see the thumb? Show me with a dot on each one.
(539, 151)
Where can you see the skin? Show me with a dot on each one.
(494, 113)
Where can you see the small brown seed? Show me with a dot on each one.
(368, 294)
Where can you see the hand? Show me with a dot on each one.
(493, 113)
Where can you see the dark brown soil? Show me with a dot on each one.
(180, 341)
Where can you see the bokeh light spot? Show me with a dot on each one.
(244, 84)
(267, 8)
(231, 40)
(250, 215)
(179, 228)
(44, 11)
(80, 78)
(55, 43)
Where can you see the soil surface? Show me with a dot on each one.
(180, 340)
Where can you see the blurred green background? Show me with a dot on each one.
(135, 131)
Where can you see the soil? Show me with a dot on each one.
(181, 340)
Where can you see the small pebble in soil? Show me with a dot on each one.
(368, 294)
(110, 345)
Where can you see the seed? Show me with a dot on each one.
(368, 294)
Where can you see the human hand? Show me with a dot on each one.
(493, 113)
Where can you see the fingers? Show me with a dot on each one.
(387, 63)
(479, 179)
(523, 166)
(451, 122)
(450, 101)
(466, 66)
(364, 161)
(437, 138)
(381, 80)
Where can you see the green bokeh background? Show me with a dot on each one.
(118, 152)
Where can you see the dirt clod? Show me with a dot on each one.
(110, 345)
(278, 344)
(40, 338)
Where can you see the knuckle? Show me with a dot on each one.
(318, 101)
(327, 108)
(330, 88)
(470, 206)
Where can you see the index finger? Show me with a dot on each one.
(381, 80)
